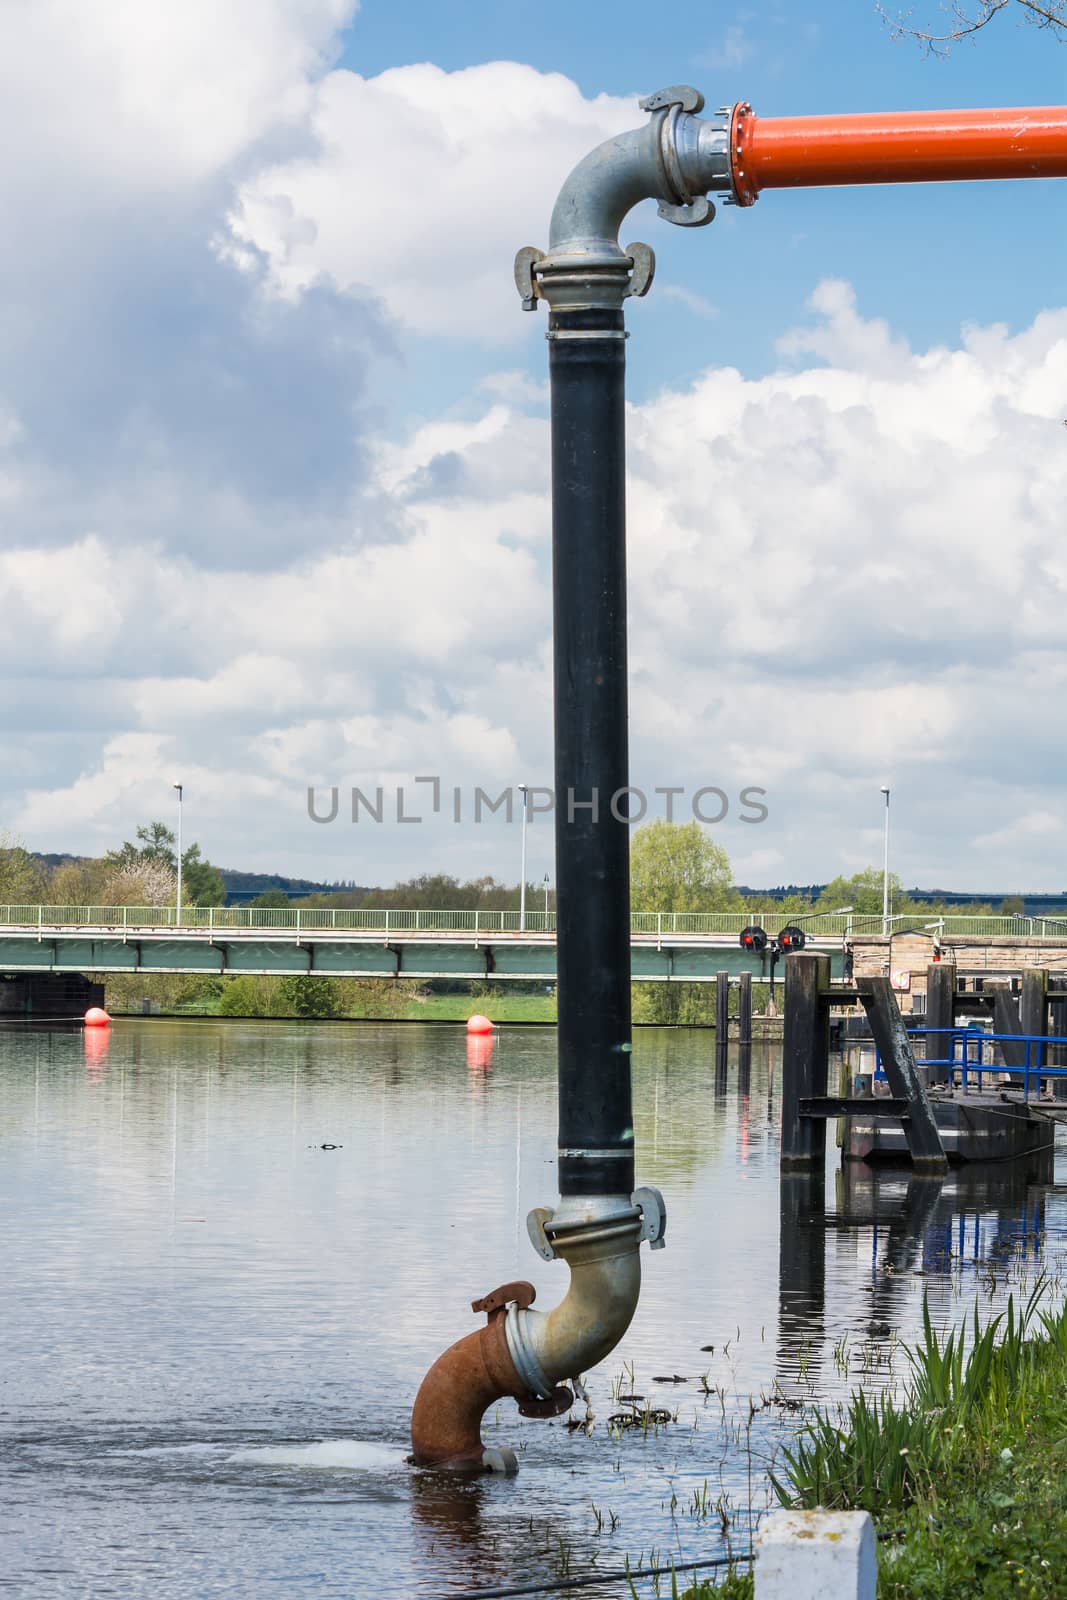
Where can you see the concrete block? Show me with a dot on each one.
(816, 1555)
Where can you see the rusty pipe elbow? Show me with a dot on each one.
(461, 1386)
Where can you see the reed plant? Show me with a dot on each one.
(963, 1473)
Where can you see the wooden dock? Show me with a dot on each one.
(972, 1124)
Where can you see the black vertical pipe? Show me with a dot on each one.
(587, 369)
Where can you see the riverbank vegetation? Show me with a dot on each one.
(674, 867)
(964, 1474)
(321, 998)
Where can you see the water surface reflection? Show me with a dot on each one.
(231, 1251)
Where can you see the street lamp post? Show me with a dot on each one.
(546, 899)
(885, 868)
(178, 914)
(522, 885)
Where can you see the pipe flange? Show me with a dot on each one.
(577, 281)
(524, 1359)
(745, 192)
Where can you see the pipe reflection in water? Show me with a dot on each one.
(801, 1277)
(919, 1226)
(448, 1513)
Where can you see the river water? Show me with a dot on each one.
(230, 1251)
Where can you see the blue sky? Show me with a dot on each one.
(273, 449)
(929, 258)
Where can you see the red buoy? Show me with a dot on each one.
(479, 1024)
(97, 1017)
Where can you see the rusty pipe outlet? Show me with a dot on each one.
(525, 1353)
(461, 1386)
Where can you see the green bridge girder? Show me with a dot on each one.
(686, 958)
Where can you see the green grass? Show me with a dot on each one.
(967, 1474)
(441, 1008)
(498, 1007)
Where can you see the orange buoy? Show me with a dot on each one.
(479, 1024)
(97, 1017)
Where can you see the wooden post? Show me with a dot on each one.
(744, 1011)
(1033, 1014)
(722, 1010)
(1058, 1053)
(887, 1025)
(1006, 1020)
(940, 1013)
(805, 1059)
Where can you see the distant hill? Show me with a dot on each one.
(1034, 904)
(241, 887)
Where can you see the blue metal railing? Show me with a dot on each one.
(960, 1041)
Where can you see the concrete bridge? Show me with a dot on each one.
(665, 946)
(689, 947)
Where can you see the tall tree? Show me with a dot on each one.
(155, 853)
(674, 866)
(22, 878)
(863, 892)
(202, 884)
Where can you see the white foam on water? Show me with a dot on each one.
(345, 1455)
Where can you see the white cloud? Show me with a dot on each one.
(849, 567)
(837, 573)
(733, 50)
(698, 304)
(146, 95)
(422, 186)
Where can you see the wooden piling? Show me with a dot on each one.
(722, 1010)
(940, 1013)
(894, 1047)
(1058, 1052)
(1006, 1020)
(744, 1009)
(805, 1059)
(1033, 1014)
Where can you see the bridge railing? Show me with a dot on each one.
(832, 925)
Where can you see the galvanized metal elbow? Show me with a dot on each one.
(599, 1237)
(675, 159)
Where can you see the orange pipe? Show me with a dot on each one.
(895, 147)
